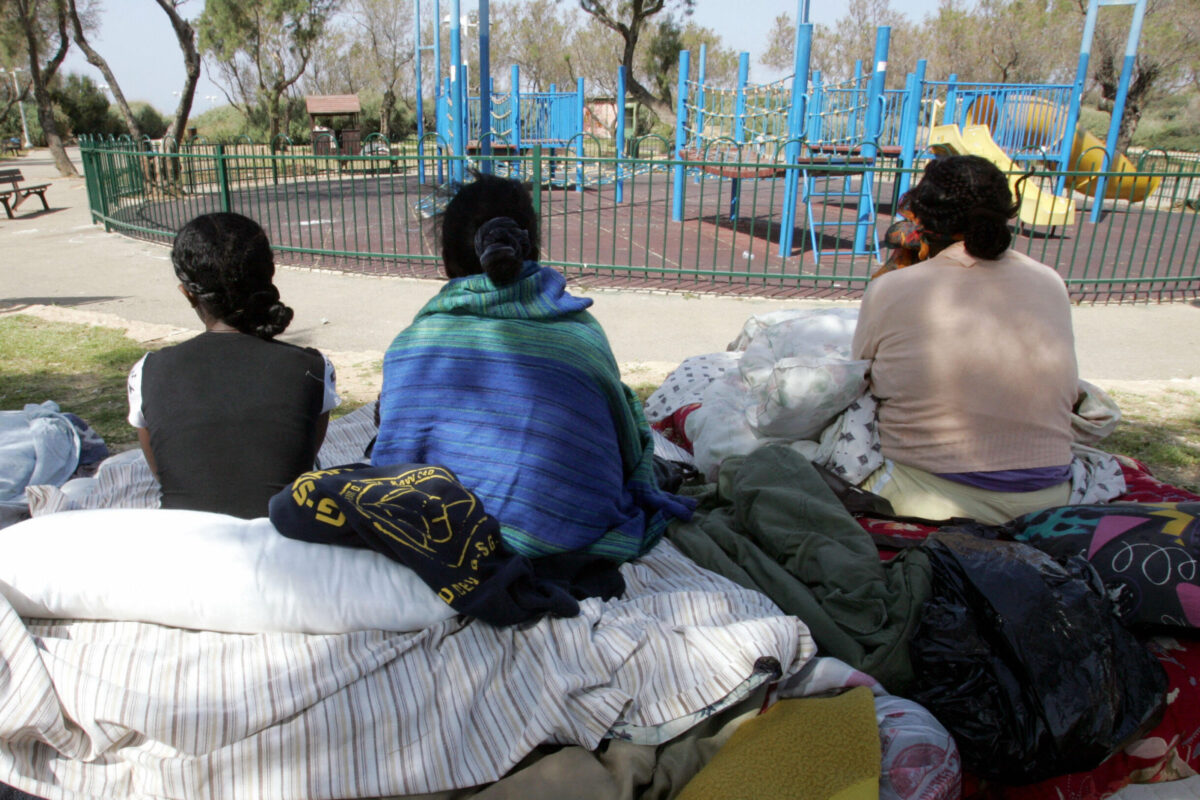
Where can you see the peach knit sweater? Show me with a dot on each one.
(973, 362)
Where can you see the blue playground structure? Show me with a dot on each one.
(491, 123)
(796, 121)
(821, 138)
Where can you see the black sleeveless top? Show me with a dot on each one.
(232, 420)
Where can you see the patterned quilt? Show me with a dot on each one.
(1170, 751)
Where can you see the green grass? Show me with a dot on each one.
(1163, 432)
(644, 390)
(81, 367)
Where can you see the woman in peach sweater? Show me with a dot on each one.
(973, 359)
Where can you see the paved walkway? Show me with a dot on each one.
(61, 260)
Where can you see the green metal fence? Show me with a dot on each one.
(626, 221)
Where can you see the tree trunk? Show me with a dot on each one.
(27, 14)
(662, 107)
(630, 31)
(50, 130)
(287, 115)
(186, 36)
(273, 114)
(385, 113)
(1144, 76)
(13, 100)
(97, 61)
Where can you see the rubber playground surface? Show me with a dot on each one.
(387, 224)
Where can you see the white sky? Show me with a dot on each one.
(136, 39)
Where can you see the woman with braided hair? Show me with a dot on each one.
(230, 417)
(973, 359)
(506, 379)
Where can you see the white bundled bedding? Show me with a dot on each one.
(213, 572)
(118, 709)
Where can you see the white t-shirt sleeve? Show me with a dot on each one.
(135, 394)
(332, 400)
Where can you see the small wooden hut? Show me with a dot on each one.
(335, 114)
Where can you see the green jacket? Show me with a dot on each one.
(772, 524)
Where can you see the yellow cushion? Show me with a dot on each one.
(808, 748)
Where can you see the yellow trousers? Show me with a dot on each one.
(916, 493)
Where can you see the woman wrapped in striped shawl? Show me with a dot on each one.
(507, 380)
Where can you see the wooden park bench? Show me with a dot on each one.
(10, 147)
(16, 193)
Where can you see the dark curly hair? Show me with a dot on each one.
(498, 249)
(225, 261)
(968, 197)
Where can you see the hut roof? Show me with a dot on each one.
(332, 104)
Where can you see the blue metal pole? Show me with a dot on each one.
(796, 125)
(739, 128)
(1085, 51)
(485, 88)
(443, 118)
(680, 136)
(910, 122)
(580, 104)
(870, 148)
(700, 79)
(949, 112)
(514, 108)
(1118, 111)
(420, 106)
(458, 146)
(620, 188)
(464, 119)
(437, 52)
(739, 118)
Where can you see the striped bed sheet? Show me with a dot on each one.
(121, 709)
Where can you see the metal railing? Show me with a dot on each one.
(608, 220)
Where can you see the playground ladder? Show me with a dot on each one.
(866, 238)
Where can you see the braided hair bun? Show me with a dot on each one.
(502, 246)
(490, 227)
(966, 197)
(225, 261)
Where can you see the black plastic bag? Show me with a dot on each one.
(1025, 663)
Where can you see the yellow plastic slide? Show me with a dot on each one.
(1040, 119)
(1038, 208)
(1087, 155)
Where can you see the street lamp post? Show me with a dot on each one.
(20, 105)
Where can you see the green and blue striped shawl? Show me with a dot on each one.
(516, 390)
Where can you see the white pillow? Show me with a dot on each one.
(194, 569)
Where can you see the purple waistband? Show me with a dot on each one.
(1012, 480)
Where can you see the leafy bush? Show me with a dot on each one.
(403, 121)
(152, 123)
(85, 107)
(223, 124)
